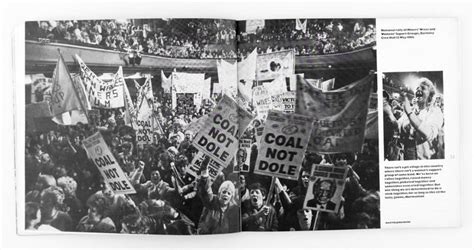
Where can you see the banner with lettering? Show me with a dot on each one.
(99, 153)
(106, 95)
(144, 132)
(283, 145)
(340, 115)
(219, 137)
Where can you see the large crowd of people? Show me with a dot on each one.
(177, 38)
(413, 119)
(65, 191)
(324, 36)
(190, 38)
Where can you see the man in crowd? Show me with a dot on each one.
(257, 216)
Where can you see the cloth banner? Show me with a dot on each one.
(325, 188)
(227, 74)
(144, 132)
(187, 82)
(106, 95)
(246, 70)
(276, 64)
(301, 25)
(104, 160)
(165, 82)
(283, 145)
(340, 115)
(219, 137)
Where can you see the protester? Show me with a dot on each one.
(257, 216)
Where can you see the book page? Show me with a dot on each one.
(126, 126)
(310, 157)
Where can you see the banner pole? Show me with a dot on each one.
(270, 191)
(316, 220)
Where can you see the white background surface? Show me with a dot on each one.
(435, 52)
(14, 14)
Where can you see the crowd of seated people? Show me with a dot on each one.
(191, 38)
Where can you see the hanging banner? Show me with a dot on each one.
(283, 145)
(165, 82)
(246, 76)
(340, 115)
(106, 95)
(325, 188)
(187, 82)
(99, 153)
(227, 74)
(219, 137)
(276, 64)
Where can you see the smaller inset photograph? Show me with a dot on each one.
(413, 115)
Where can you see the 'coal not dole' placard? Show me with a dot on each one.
(283, 145)
(103, 159)
(219, 137)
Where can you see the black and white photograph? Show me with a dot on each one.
(200, 126)
(413, 108)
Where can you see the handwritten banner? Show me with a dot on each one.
(106, 95)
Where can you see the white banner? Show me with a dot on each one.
(276, 64)
(101, 94)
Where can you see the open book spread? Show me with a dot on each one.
(212, 126)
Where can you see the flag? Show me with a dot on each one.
(246, 72)
(64, 97)
(301, 25)
(340, 115)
